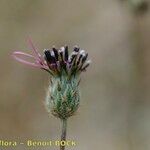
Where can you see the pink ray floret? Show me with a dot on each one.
(38, 61)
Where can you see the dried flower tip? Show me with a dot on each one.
(66, 53)
(55, 52)
(79, 59)
(86, 65)
(50, 58)
(76, 49)
(84, 58)
(72, 56)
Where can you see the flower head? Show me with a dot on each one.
(63, 94)
(56, 61)
(60, 62)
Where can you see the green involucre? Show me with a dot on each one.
(63, 96)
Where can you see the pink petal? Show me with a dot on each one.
(33, 47)
(35, 51)
(16, 55)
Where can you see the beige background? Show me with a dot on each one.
(115, 104)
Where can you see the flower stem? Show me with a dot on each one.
(63, 134)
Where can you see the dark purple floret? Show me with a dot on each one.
(84, 68)
(55, 52)
(79, 59)
(84, 58)
(53, 58)
(61, 52)
(60, 62)
(49, 57)
(74, 60)
(66, 53)
(76, 49)
(72, 57)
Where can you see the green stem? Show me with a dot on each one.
(63, 133)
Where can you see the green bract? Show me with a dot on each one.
(63, 96)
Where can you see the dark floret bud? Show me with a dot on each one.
(61, 63)
(53, 56)
(76, 49)
(84, 58)
(49, 56)
(79, 59)
(73, 56)
(61, 52)
(66, 53)
(86, 65)
(55, 52)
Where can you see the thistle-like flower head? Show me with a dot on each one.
(61, 63)
(63, 94)
(57, 62)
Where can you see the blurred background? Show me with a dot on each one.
(115, 106)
